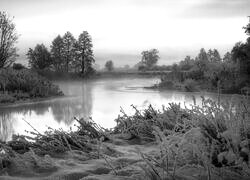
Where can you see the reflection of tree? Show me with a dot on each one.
(81, 106)
(39, 108)
(6, 128)
(62, 109)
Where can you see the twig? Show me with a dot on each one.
(32, 127)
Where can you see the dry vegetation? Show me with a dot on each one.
(211, 141)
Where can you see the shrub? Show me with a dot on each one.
(27, 83)
(5, 98)
(141, 124)
(166, 84)
(216, 141)
(18, 66)
(190, 85)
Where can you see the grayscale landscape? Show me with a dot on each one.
(125, 89)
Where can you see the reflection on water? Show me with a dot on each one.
(99, 99)
(55, 113)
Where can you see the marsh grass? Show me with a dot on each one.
(214, 138)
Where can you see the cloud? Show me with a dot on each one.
(218, 8)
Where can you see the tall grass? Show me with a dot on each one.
(213, 138)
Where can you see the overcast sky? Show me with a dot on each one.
(121, 29)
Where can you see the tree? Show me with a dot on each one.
(8, 39)
(201, 60)
(150, 58)
(213, 55)
(227, 57)
(39, 58)
(186, 64)
(57, 53)
(247, 28)
(68, 50)
(84, 53)
(109, 65)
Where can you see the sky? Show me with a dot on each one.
(122, 29)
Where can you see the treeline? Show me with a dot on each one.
(66, 54)
(209, 71)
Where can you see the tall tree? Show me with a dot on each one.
(57, 53)
(39, 58)
(8, 39)
(84, 53)
(201, 60)
(150, 58)
(68, 50)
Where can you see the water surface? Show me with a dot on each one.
(100, 99)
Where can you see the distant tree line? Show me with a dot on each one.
(66, 54)
(208, 70)
(109, 65)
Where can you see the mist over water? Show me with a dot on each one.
(100, 99)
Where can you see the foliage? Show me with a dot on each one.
(18, 66)
(186, 64)
(39, 58)
(68, 50)
(8, 39)
(211, 138)
(66, 55)
(84, 53)
(27, 84)
(150, 58)
(57, 54)
(5, 98)
(230, 74)
(109, 65)
(190, 85)
(141, 124)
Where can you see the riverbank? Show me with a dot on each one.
(208, 142)
(192, 86)
(23, 85)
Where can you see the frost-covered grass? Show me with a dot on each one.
(211, 141)
(212, 138)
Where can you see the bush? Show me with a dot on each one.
(190, 85)
(212, 138)
(166, 84)
(27, 84)
(5, 98)
(18, 66)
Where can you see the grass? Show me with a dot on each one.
(212, 138)
(211, 141)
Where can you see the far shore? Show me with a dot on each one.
(29, 101)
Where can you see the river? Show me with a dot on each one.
(100, 99)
